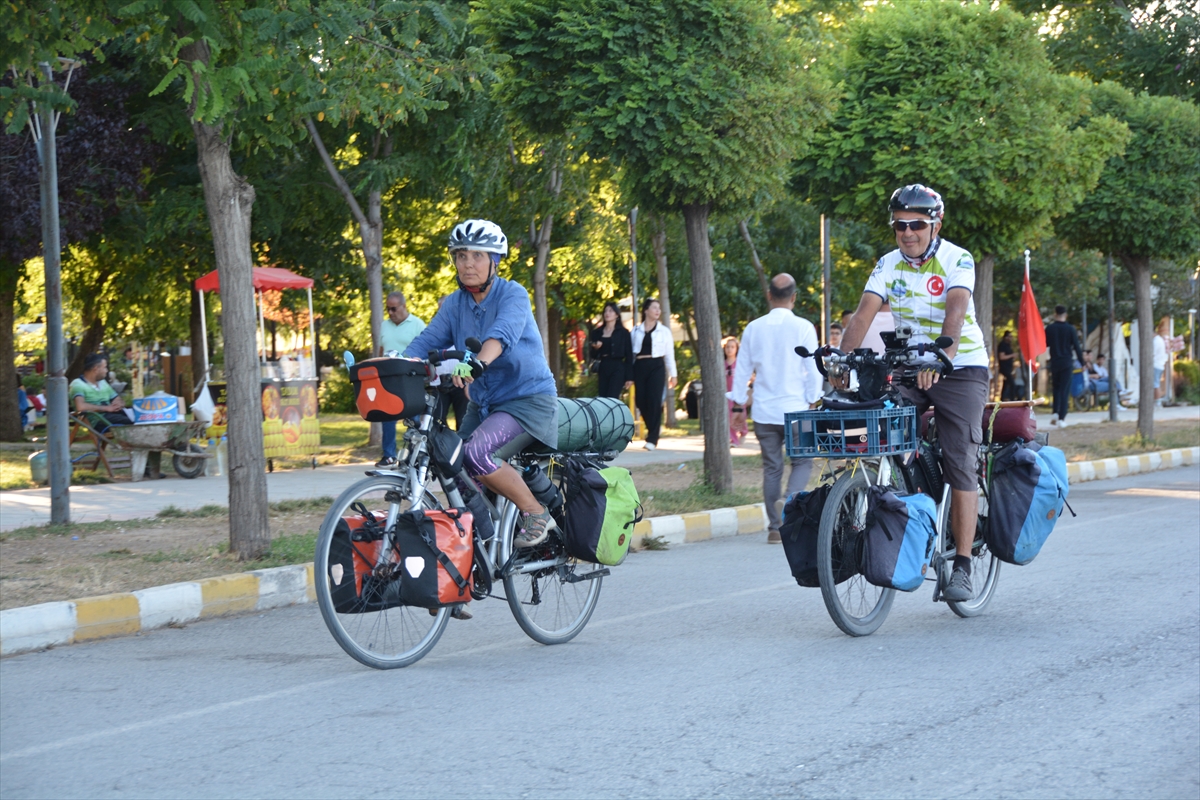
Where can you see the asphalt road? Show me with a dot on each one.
(705, 673)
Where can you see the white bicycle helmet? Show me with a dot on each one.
(479, 234)
(918, 198)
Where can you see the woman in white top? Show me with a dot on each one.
(1160, 357)
(653, 367)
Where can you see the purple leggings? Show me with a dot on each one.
(498, 438)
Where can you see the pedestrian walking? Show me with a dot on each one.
(396, 333)
(1062, 340)
(653, 367)
(612, 353)
(737, 411)
(783, 382)
(1006, 360)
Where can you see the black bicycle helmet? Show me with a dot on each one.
(918, 198)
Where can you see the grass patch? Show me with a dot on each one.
(697, 497)
(310, 504)
(209, 510)
(124, 552)
(344, 430)
(1127, 445)
(654, 543)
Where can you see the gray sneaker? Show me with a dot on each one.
(959, 588)
(534, 529)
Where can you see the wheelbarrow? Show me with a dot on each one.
(148, 441)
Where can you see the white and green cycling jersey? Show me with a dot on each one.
(918, 297)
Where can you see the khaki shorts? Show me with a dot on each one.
(958, 402)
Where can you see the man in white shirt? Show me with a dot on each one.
(783, 382)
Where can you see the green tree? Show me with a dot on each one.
(1146, 206)
(208, 52)
(700, 104)
(963, 99)
(1144, 46)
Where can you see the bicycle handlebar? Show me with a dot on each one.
(897, 360)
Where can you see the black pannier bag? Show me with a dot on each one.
(801, 523)
(436, 555)
(388, 389)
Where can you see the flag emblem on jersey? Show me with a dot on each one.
(935, 285)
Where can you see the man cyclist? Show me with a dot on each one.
(514, 402)
(929, 282)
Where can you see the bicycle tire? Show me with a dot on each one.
(552, 605)
(188, 466)
(857, 607)
(383, 639)
(983, 562)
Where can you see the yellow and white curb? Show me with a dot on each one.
(65, 622)
(1106, 468)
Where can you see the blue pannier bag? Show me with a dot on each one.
(899, 540)
(1027, 491)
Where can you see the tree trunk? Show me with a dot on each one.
(983, 297)
(1139, 269)
(229, 199)
(718, 465)
(196, 337)
(758, 267)
(554, 340)
(541, 239)
(89, 343)
(11, 424)
(659, 241)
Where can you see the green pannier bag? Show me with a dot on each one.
(600, 511)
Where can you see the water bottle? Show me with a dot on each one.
(212, 466)
(222, 455)
(543, 489)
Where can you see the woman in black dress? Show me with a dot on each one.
(612, 351)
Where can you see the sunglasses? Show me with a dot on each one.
(393, 308)
(902, 225)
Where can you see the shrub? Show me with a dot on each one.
(337, 393)
(1187, 381)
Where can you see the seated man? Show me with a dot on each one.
(90, 394)
(1098, 372)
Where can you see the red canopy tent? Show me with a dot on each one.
(264, 278)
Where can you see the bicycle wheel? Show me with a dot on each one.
(856, 606)
(552, 596)
(983, 564)
(368, 628)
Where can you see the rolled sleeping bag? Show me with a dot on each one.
(593, 424)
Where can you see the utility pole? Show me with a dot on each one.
(1113, 398)
(44, 122)
(633, 276)
(826, 273)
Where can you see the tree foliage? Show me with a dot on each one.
(961, 98)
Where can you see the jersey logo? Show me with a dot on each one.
(935, 285)
(899, 288)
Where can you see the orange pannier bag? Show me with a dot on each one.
(389, 388)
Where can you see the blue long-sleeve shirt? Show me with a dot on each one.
(506, 316)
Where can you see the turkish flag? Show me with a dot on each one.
(1031, 333)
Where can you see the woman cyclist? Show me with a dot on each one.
(514, 402)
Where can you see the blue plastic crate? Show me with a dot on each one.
(851, 434)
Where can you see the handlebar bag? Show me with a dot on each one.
(352, 556)
(799, 531)
(854, 430)
(435, 557)
(389, 388)
(1028, 490)
(898, 544)
(599, 513)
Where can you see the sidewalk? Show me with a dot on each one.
(128, 500)
(146, 498)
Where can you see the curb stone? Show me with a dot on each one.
(66, 622)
